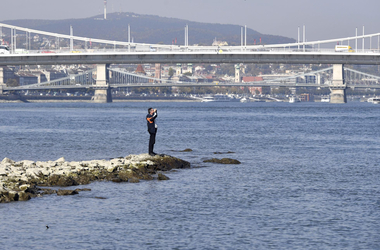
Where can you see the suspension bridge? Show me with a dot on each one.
(118, 52)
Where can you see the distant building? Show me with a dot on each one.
(311, 78)
(252, 79)
(219, 43)
(256, 90)
(54, 74)
(6, 74)
(157, 72)
(26, 78)
(306, 98)
(40, 76)
(253, 90)
(237, 73)
(140, 70)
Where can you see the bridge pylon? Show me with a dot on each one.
(2, 85)
(338, 85)
(102, 87)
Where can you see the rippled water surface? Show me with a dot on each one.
(309, 178)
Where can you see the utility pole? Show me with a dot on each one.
(105, 9)
(129, 38)
(245, 40)
(298, 41)
(363, 39)
(356, 40)
(304, 38)
(71, 38)
(11, 40)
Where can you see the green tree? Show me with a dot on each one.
(171, 72)
(12, 83)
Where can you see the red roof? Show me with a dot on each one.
(252, 79)
(140, 69)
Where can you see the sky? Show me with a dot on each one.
(324, 19)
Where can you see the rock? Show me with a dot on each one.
(116, 179)
(60, 160)
(84, 178)
(223, 161)
(7, 160)
(221, 153)
(48, 191)
(133, 180)
(22, 180)
(112, 169)
(22, 196)
(61, 180)
(24, 187)
(162, 177)
(82, 189)
(101, 198)
(167, 163)
(187, 150)
(28, 164)
(3, 172)
(66, 192)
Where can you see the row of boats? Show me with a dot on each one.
(234, 98)
(374, 100)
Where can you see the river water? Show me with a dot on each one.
(309, 178)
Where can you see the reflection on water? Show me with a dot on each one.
(309, 177)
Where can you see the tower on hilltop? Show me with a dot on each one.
(105, 9)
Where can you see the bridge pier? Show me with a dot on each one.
(338, 85)
(2, 85)
(102, 88)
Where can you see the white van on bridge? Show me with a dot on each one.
(4, 49)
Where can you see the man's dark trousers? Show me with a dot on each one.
(152, 141)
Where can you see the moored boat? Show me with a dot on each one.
(220, 98)
(293, 99)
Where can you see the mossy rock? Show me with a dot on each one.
(117, 180)
(147, 177)
(63, 181)
(48, 191)
(23, 196)
(187, 150)
(84, 178)
(162, 177)
(66, 192)
(125, 175)
(223, 161)
(166, 163)
(134, 180)
(83, 189)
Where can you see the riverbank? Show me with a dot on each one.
(23, 180)
(38, 98)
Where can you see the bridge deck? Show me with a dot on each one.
(261, 57)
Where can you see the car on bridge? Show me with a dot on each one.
(343, 48)
(4, 49)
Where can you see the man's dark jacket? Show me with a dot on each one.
(150, 122)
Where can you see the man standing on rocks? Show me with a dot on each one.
(152, 129)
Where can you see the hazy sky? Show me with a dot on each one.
(324, 19)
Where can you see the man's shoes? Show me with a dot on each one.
(152, 154)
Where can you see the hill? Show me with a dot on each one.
(149, 29)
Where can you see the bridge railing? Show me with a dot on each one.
(188, 50)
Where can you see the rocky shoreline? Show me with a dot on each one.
(23, 180)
